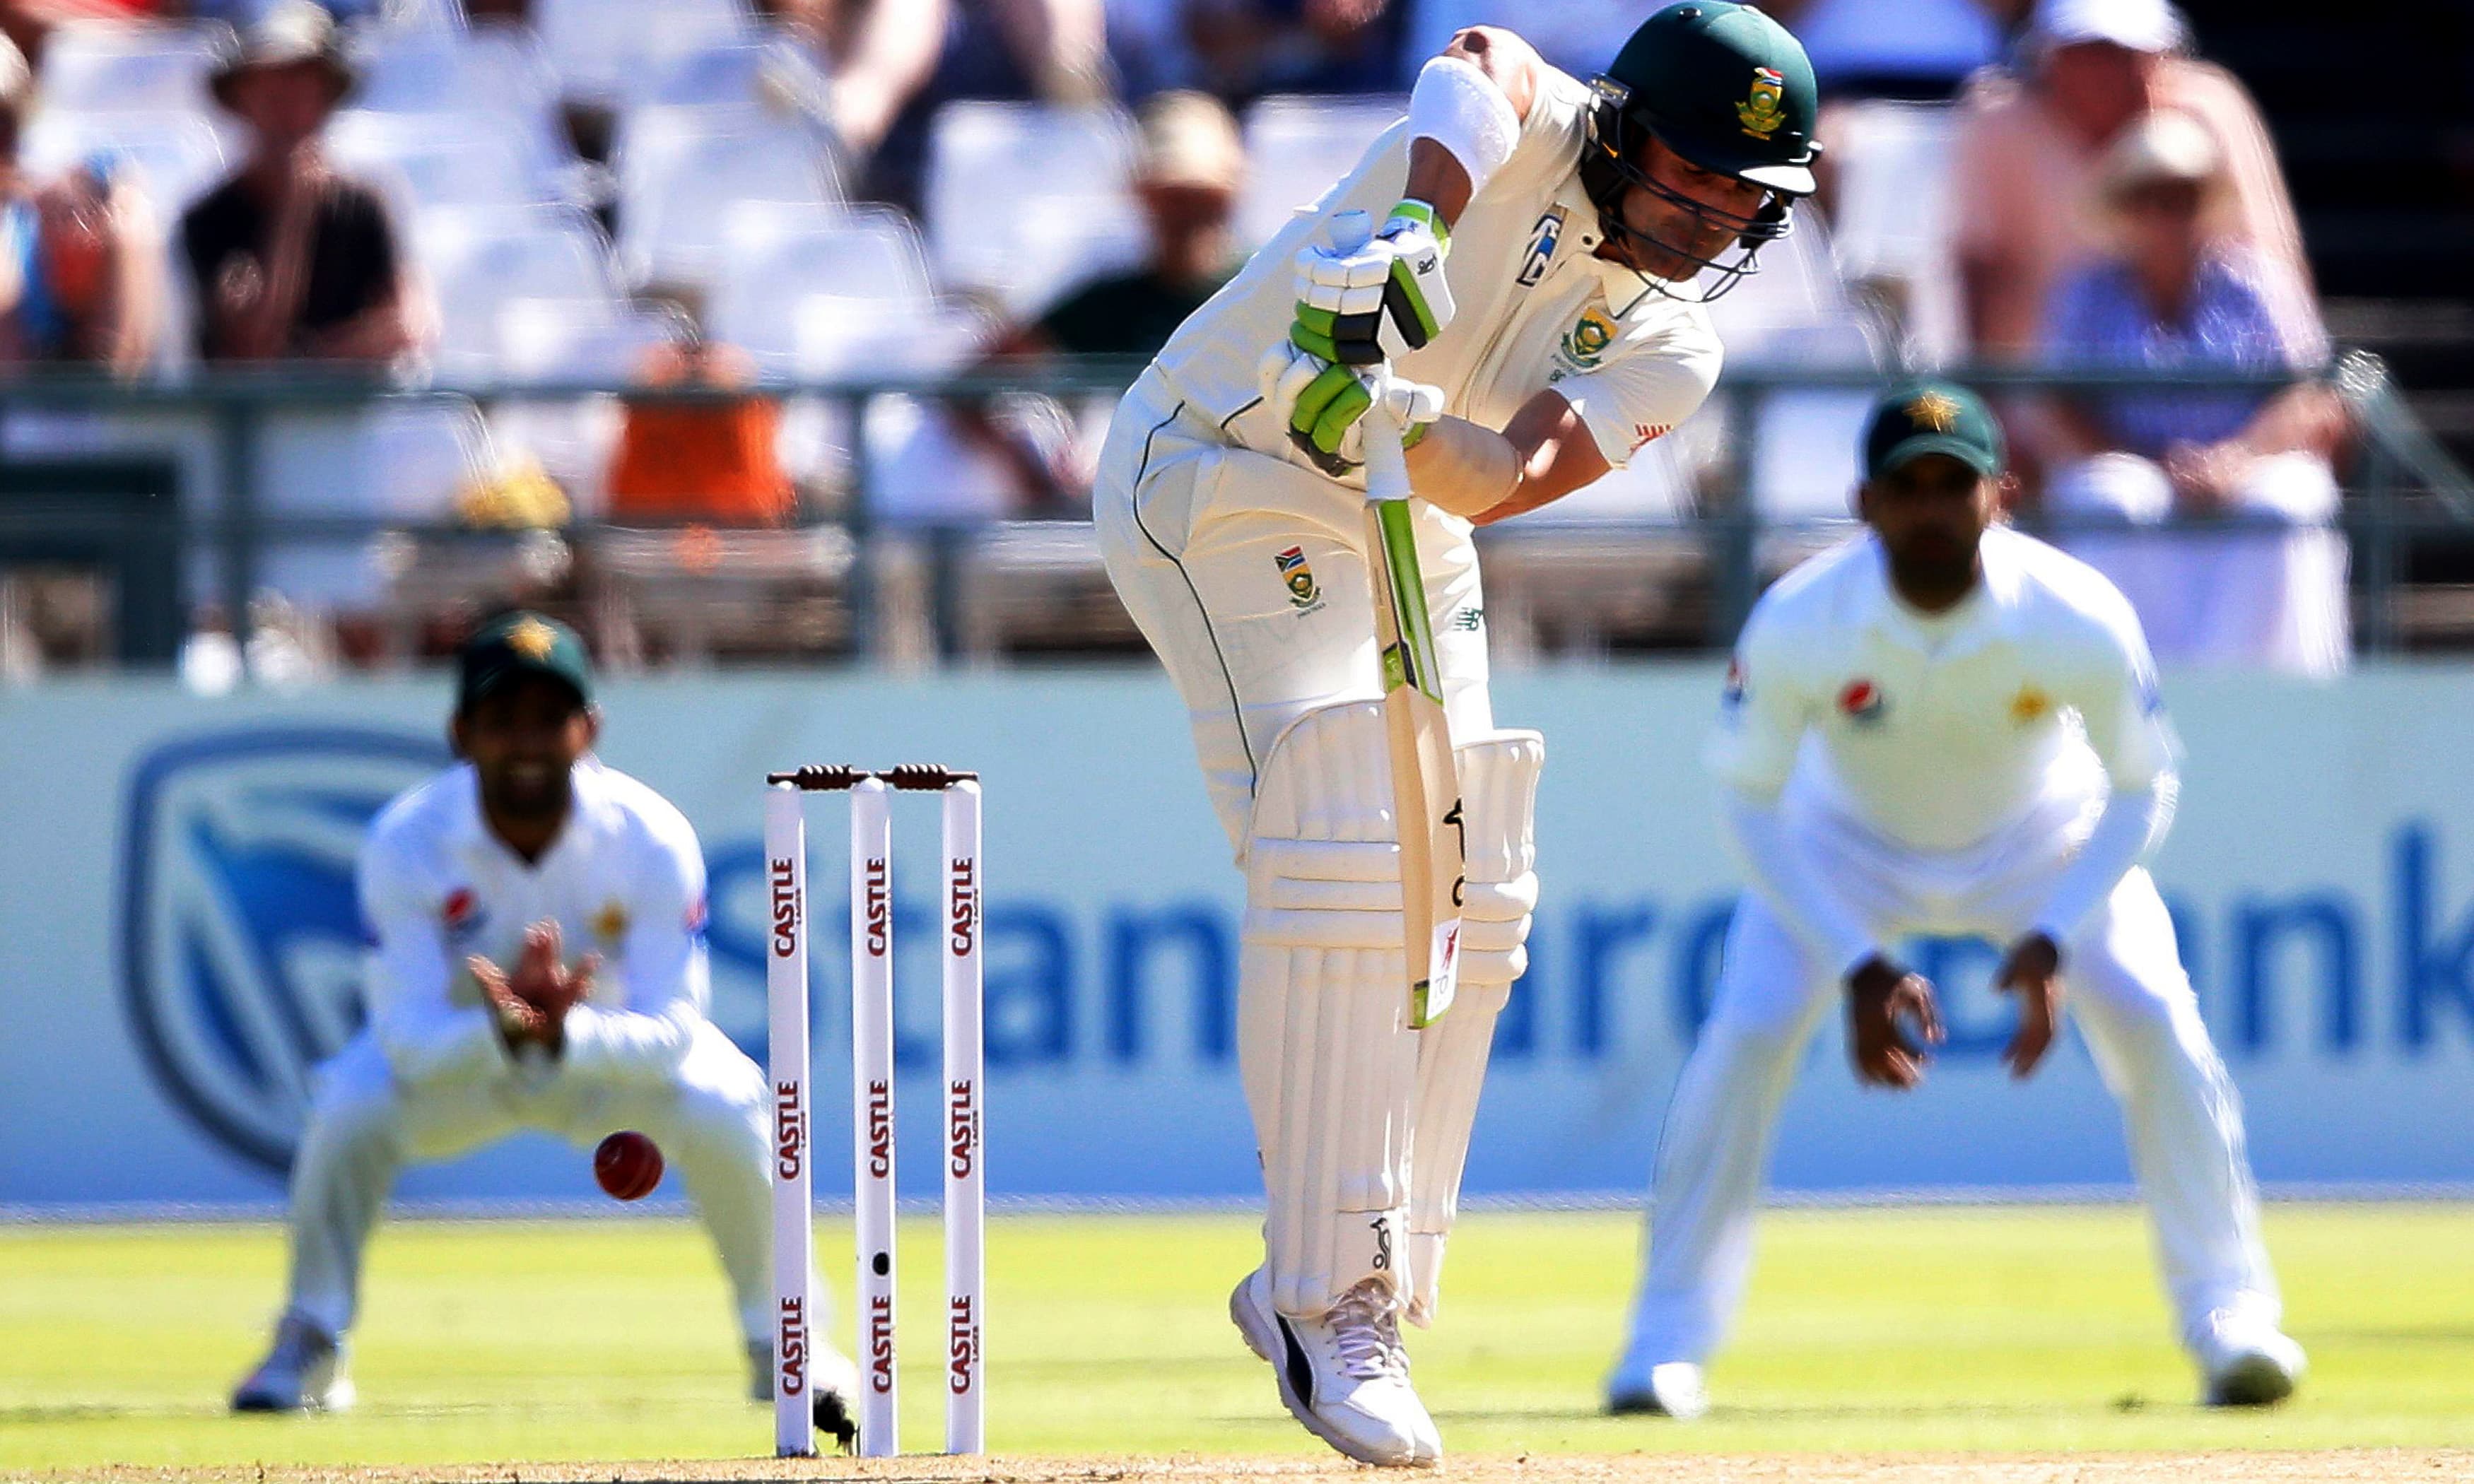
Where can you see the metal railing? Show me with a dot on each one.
(2403, 486)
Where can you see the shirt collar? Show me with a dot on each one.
(468, 831)
(1980, 617)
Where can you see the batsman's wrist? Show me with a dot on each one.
(1413, 212)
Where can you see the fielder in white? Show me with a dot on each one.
(1530, 309)
(479, 1025)
(1946, 726)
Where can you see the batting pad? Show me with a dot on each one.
(1498, 802)
(1329, 1061)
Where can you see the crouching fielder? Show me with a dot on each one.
(480, 1023)
(1946, 726)
(1530, 307)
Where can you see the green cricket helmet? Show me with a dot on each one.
(1724, 87)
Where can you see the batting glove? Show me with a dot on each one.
(1378, 300)
(1324, 406)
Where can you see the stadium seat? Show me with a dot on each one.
(870, 261)
(114, 66)
(1296, 148)
(446, 161)
(492, 83)
(776, 68)
(1024, 200)
(479, 260)
(682, 170)
(598, 47)
(179, 156)
(1894, 216)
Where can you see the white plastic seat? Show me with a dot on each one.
(598, 47)
(481, 260)
(869, 258)
(1024, 200)
(682, 170)
(1895, 216)
(492, 83)
(766, 67)
(450, 161)
(179, 156)
(117, 66)
(1297, 147)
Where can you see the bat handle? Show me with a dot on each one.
(1386, 463)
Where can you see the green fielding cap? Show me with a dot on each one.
(1933, 417)
(1726, 87)
(516, 645)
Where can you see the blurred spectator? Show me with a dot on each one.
(289, 258)
(893, 63)
(2271, 588)
(79, 280)
(1252, 47)
(1915, 49)
(1186, 179)
(699, 461)
(2028, 145)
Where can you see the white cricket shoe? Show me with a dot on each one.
(2247, 1362)
(832, 1382)
(1345, 1376)
(303, 1373)
(1669, 1389)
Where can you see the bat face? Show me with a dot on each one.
(1425, 786)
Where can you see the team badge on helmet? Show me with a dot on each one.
(1759, 112)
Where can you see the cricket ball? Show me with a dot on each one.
(628, 1165)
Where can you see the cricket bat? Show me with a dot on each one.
(1425, 784)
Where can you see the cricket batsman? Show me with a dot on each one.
(1944, 726)
(1529, 311)
(473, 886)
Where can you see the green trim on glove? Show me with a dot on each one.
(1411, 210)
(1311, 333)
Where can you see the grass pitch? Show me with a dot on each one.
(2027, 1331)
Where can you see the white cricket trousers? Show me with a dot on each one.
(1196, 534)
(709, 1121)
(2124, 987)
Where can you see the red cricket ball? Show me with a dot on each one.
(628, 1165)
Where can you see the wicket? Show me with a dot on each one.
(871, 902)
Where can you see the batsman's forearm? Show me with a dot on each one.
(1438, 180)
(1464, 469)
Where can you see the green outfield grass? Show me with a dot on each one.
(2003, 1329)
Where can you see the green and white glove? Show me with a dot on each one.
(1324, 406)
(1382, 298)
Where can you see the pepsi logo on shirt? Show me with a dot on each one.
(1861, 701)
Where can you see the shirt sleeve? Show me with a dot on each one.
(662, 965)
(1762, 715)
(369, 235)
(2122, 708)
(425, 1037)
(1631, 401)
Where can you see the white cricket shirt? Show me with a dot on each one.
(624, 880)
(1534, 307)
(1935, 731)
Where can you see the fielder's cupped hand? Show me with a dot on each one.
(2032, 971)
(1360, 303)
(1324, 406)
(531, 1004)
(1883, 1000)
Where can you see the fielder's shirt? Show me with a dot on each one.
(1535, 306)
(624, 880)
(1934, 732)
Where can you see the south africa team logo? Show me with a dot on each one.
(1305, 596)
(1759, 112)
(1586, 342)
